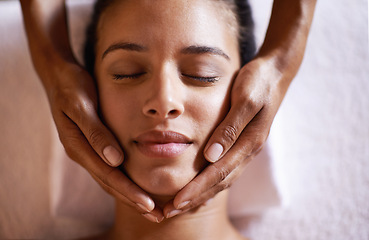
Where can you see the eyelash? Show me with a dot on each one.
(203, 79)
(130, 76)
(137, 75)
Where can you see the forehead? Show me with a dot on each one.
(160, 11)
(169, 21)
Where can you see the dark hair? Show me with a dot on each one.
(245, 24)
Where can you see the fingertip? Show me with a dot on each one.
(113, 156)
(213, 153)
(183, 204)
(150, 205)
(147, 205)
(156, 215)
(152, 218)
(173, 213)
(182, 200)
(143, 208)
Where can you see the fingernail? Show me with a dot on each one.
(182, 205)
(214, 151)
(208, 201)
(151, 217)
(160, 219)
(112, 155)
(143, 207)
(173, 213)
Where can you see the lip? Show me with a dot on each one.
(162, 144)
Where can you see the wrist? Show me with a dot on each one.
(272, 78)
(51, 67)
(48, 39)
(285, 41)
(280, 64)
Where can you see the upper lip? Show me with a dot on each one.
(162, 137)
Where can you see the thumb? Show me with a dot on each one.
(228, 131)
(99, 137)
(103, 142)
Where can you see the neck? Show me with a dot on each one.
(206, 222)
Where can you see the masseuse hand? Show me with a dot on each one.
(255, 99)
(256, 95)
(73, 101)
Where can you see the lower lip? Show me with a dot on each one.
(165, 150)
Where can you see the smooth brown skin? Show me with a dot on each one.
(73, 100)
(256, 96)
(208, 222)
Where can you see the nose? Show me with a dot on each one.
(165, 98)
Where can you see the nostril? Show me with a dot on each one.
(152, 111)
(173, 112)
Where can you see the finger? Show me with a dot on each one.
(155, 215)
(150, 213)
(170, 210)
(211, 176)
(208, 195)
(202, 198)
(111, 179)
(97, 134)
(229, 130)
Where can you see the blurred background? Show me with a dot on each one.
(319, 141)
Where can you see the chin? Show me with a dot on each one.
(166, 182)
(163, 178)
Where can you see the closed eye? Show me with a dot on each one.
(127, 76)
(202, 79)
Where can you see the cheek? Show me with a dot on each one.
(116, 110)
(208, 110)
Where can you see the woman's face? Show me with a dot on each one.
(164, 70)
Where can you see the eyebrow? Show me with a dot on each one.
(194, 49)
(124, 46)
(205, 50)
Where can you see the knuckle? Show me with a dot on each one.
(223, 185)
(78, 109)
(230, 133)
(84, 105)
(253, 105)
(221, 173)
(95, 137)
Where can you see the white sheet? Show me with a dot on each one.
(319, 140)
